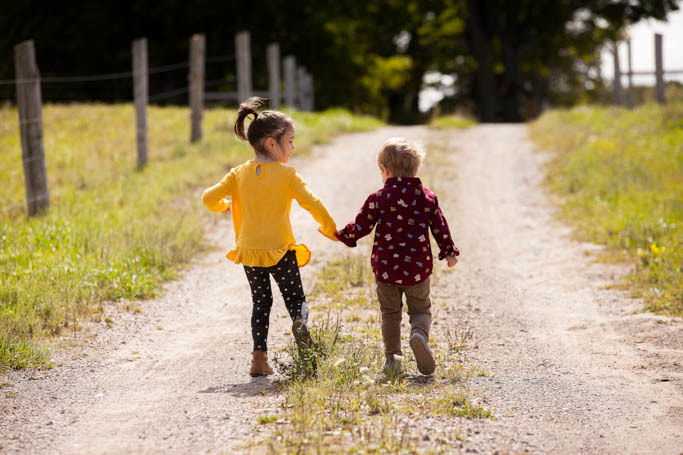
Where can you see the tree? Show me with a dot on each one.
(528, 38)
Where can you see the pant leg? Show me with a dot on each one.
(262, 298)
(390, 303)
(419, 306)
(288, 279)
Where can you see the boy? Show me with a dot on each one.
(403, 211)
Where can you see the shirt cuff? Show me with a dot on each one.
(344, 239)
(449, 250)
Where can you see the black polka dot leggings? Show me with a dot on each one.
(288, 279)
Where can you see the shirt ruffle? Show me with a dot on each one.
(253, 257)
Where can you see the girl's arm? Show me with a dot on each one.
(308, 201)
(441, 233)
(363, 225)
(213, 198)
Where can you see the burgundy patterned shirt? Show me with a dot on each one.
(403, 211)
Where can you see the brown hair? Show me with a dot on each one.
(264, 125)
(401, 157)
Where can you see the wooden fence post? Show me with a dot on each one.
(244, 84)
(273, 54)
(196, 79)
(141, 95)
(630, 100)
(301, 87)
(29, 104)
(660, 88)
(311, 91)
(290, 81)
(617, 89)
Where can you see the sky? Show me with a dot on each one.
(642, 37)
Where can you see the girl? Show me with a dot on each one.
(262, 190)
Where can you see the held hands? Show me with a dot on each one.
(227, 210)
(333, 238)
(451, 260)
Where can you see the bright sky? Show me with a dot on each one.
(643, 49)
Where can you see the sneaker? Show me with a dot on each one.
(304, 343)
(392, 366)
(423, 355)
(301, 334)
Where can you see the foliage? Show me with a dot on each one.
(112, 232)
(538, 50)
(620, 174)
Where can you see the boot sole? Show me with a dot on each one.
(423, 355)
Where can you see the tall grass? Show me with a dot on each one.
(112, 232)
(620, 175)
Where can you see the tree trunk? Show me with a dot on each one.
(511, 86)
(482, 50)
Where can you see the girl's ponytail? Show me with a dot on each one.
(246, 108)
(264, 125)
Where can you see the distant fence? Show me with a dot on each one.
(625, 98)
(298, 93)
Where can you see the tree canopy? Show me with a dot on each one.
(506, 58)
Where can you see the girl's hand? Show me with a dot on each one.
(227, 210)
(331, 238)
(451, 260)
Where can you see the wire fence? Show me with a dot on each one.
(158, 86)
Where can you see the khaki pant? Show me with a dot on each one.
(390, 302)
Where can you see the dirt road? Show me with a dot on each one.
(573, 370)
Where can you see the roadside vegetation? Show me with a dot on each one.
(112, 232)
(349, 404)
(451, 121)
(619, 174)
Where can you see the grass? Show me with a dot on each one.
(348, 405)
(112, 231)
(620, 177)
(451, 121)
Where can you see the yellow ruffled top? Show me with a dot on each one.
(260, 208)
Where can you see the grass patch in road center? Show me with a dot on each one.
(620, 176)
(349, 405)
(451, 122)
(112, 232)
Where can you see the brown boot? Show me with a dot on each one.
(259, 364)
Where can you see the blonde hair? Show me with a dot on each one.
(401, 157)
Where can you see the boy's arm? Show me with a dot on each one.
(213, 198)
(441, 233)
(363, 225)
(309, 202)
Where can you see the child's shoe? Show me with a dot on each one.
(392, 366)
(423, 355)
(259, 364)
(304, 343)
(301, 335)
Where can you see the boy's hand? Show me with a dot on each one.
(451, 260)
(331, 238)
